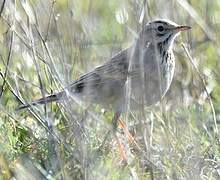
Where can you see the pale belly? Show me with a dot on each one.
(153, 83)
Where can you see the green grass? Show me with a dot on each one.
(46, 45)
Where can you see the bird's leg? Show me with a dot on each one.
(115, 121)
(121, 147)
(128, 134)
(118, 122)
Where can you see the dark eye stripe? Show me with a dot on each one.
(160, 35)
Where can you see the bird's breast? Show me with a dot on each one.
(155, 77)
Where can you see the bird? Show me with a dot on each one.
(144, 72)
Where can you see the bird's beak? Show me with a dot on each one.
(182, 28)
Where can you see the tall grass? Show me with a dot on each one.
(45, 45)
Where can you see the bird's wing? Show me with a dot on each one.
(116, 69)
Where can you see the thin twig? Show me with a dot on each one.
(54, 70)
(201, 22)
(204, 84)
(37, 117)
(2, 7)
(50, 19)
(7, 63)
(21, 101)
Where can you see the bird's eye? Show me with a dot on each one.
(160, 28)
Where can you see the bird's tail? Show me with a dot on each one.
(48, 99)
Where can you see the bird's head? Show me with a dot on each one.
(162, 31)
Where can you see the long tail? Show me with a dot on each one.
(48, 99)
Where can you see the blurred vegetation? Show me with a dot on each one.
(45, 45)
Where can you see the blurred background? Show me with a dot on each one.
(45, 45)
